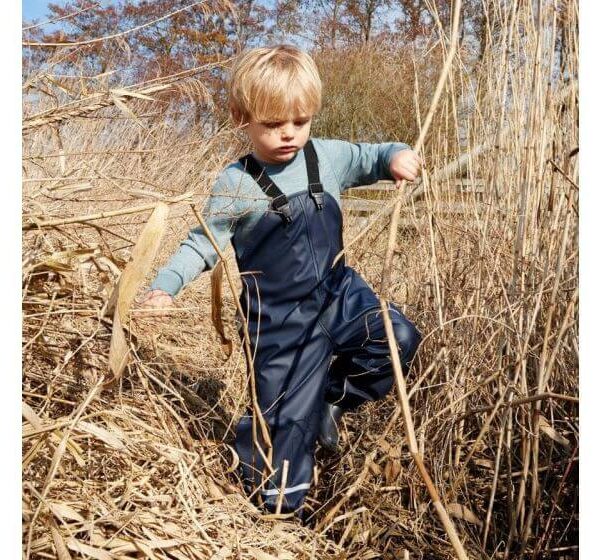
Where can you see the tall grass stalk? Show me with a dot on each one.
(492, 286)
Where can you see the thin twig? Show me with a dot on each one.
(114, 35)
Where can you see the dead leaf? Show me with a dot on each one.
(102, 434)
(126, 93)
(375, 468)
(222, 554)
(59, 543)
(260, 555)
(63, 511)
(484, 464)
(461, 512)
(216, 284)
(97, 553)
(391, 470)
(547, 429)
(142, 257)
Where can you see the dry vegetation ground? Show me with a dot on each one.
(145, 469)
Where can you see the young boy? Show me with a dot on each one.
(280, 207)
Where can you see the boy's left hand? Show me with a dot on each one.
(405, 164)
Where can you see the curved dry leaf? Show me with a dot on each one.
(484, 464)
(222, 554)
(91, 551)
(216, 284)
(461, 512)
(62, 552)
(547, 429)
(391, 471)
(126, 110)
(56, 457)
(142, 257)
(126, 93)
(63, 511)
(118, 353)
(30, 415)
(260, 555)
(102, 434)
(144, 548)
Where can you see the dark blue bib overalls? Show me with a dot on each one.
(301, 312)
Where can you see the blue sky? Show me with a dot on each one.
(36, 9)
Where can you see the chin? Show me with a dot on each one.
(284, 157)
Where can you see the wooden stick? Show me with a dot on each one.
(284, 475)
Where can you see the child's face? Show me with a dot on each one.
(278, 142)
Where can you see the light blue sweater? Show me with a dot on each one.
(236, 202)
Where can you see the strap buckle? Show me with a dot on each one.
(316, 192)
(280, 204)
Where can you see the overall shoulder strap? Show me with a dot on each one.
(315, 186)
(279, 201)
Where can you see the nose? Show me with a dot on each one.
(287, 130)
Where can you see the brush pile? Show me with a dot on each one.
(144, 468)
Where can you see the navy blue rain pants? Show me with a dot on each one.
(301, 312)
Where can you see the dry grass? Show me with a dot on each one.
(144, 469)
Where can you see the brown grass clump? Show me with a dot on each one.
(144, 469)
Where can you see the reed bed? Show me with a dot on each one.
(145, 468)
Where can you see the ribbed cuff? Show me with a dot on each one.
(167, 281)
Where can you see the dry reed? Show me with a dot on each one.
(145, 468)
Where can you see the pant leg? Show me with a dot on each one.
(291, 375)
(363, 369)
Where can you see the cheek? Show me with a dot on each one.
(261, 138)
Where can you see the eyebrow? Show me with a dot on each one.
(304, 118)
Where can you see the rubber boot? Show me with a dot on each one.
(329, 434)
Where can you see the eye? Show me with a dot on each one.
(301, 123)
(272, 124)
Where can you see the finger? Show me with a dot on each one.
(159, 309)
(409, 175)
(411, 169)
(150, 315)
(149, 303)
(146, 297)
(156, 295)
(415, 160)
(160, 300)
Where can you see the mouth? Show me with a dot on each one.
(286, 149)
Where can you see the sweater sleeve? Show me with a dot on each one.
(357, 164)
(196, 253)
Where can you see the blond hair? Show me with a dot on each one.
(272, 84)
